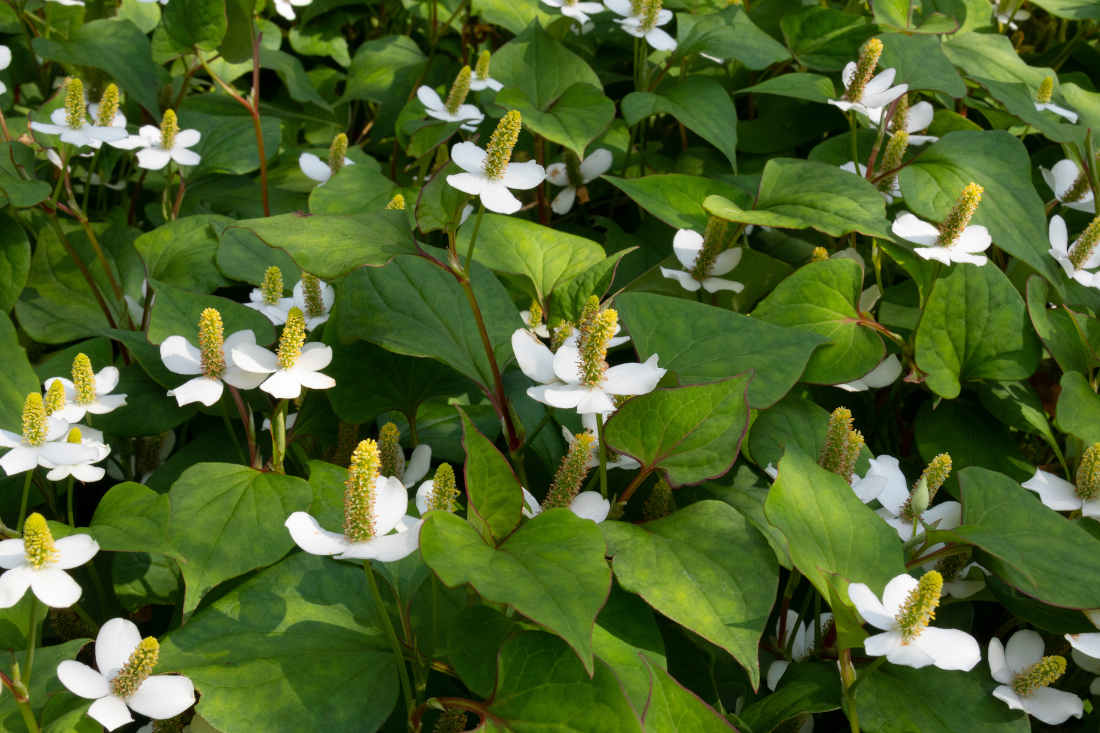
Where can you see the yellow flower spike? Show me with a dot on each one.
(311, 289)
(76, 111)
(900, 119)
(892, 158)
(397, 203)
(535, 310)
(211, 343)
(272, 286)
(74, 436)
(919, 608)
(571, 472)
(389, 448)
(337, 152)
(1079, 187)
(137, 668)
(83, 380)
(503, 140)
(34, 420)
(561, 331)
(714, 242)
(292, 339)
(1046, 91)
(1088, 473)
(359, 493)
(1085, 244)
(38, 544)
(936, 473)
(459, 90)
(482, 69)
(959, 217)
(865, 69)
(637, 7)
(444, 491)
(649, 14)
(55, 397)
(1042, 674)
(108, 106)
(820, 254)
(842, 444)
(169, 128)
(596, 329)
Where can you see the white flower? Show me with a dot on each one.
(123, 682)
(415, 467)
(883, 375)
(118, 122)
(477, 82)
(154, 156)
(162, 2)
(802, 645)
(1015, 666)
(1004, 17)
(285, 8)
(286, 383)
(637, 26)
(136, 308)
(67, 2)
(275, 312)
(877, 93)
(63, 459)
(883, 475)
(688, 245)
(916, 644)
(895, 186)
(104, 381)
(24, 456)
(396, 535)
(893, 497)
(41, 566)
(972, 240)
(85, 133)
(918, 118)
(328, 297)
(586, 505)
(316, 168)
(434, 105)
(494, 193)
(1087, 663)
(1060, 495)
(591, 168)
(620, 460)
(1060, 249)
(1061, 178)
(181, 357)
(578, 11)
(539, 329)
(5, 62)
(1069, 114)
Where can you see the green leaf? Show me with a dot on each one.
(240, 29)
(802, 194)
(384, 70)
(806, 687)
(574, 119)
(824, 39)
(628, 639)
(176, 312)
(1078, 410)
(182, 252)
(551, 569)
(674, 707)
(794, 421)
(896, 699)
(712, 343)
(294, 77)
(834, 539)
(797, 85)
(133, 518)
(1060, 330)
(729, 33)
(118, 48)
(1072, 9)
(570, 296)
(17, 379)
(677, 199)
(822, 298)
(228, 519)
(245, 257)
(558, 67)
(353, 190)
(513, 17)
(43, 687)
(199, 23)
(951, 427)
(282, 647)
(690, 433)
(992, 56)
(328, 245)
(416, 308)
(1026, 544)
(701, 103)
(228, 143)
(520, 247)
(15, 261)
(921, 63)
(1010, 208)
(974, 327)
(692, 566)
(494, 496)
(1019, 101)
(16, 163)
(540, 687)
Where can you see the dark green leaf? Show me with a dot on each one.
(181, 253)
(1078, 411)
(574, 119)
(494, 497)
(176, 313)
(701, 103)
(676, 199)
(199, 23)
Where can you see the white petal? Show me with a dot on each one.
(939, 254)
(594, 400)
(686, 245)
(975, 238)
(523, 175)
(556, 173)
(14, 584)
(471, 183)
(911, 228)
(920, 117)
(420, 460)
(660, 40)
(897, 590)
(282, 385)
(180, 356)
(391, 501)
(185, 157)
(619, 7)
(775, 672)
(687, 282)
(187, 138)
(558, 394)
(1057, 493)
(596, 164)
(563, 202)
(110, 712)
(870, 607)
(950, 648)
(241, 379)
(998, 667)
(55, 587)
(717, 284)
(633, 378)
(535, 360)
(315, 356)
(423, 495)
(469, 157)
(894, 492)
(909, 655)
(106, 380)
(1064, 173)
(532, 507)
(725, 261)
(9, 439)
(75, 550)
(253, 358)
(153, 158)
(590, 505)
(1087, 644)
(1053, 707)
(431, 100)
(200, 389)
(947, 515)
(12, 554)
(311, 537)
(885, 374)
(82, 680)
(878, 645)
(848, 73)
(162, 696)
(314, 167)
(387, 548)
(567, 363)
(1024, 649)
(18, 460)
(114, 644)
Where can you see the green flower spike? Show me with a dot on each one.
(501, 144)
(359, 494)
(920, 606)
(571, 472)
(869, 55)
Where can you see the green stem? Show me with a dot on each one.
(69, 500)
(228, 418)
(848, 680)
(88, 183)
(32, 641)
(278, 436)
(473, 237)
(23, 501)
(28, 716)
(603, 455)
(395, 644)
(854, 140)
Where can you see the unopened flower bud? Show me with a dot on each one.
(34, 420)
(337, 152)
(1088, 473)
(76, 111)
(272, 286)
(820, 254)
(311, 291)
(137, 668)
(211, 343)
(1046, 90)
(1042, 674)
(55, 397)
(169, 128)
(461, 87)
(359, 492)
(959, 217)
(503, 140)
(38, 544)
(660, 502)
(1084, 246)
(397, 203)
(108, 106)
(389, 448)
(919, 608)
(444, 491)
(482, 69)
(918, 500)
(714, 242)
(292, 338)
(865, 68)
(571, 472)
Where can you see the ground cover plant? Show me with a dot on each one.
(508, 365)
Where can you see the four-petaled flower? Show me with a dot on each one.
(591, 168)
(1079, 259)
(1070, 185)
(802, 645)
(586, 505)
(493, 192)
(94, 398)
(1025, 676)
(39, 562)
(876, 94)
(577, 9)
(688, 245)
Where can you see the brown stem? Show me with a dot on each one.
(179, 197)
(246, 418)
(82, 267)
(633, 486)
(540, 158)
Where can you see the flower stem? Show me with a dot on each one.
(855, 139)
(246, 418)
(32, 641)
(278, 437)
(28, 716)
(603, 455)
(232, 433)
(473, 237)
(69, 501)
(23, 501)
(399, 656)
(848, 680)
